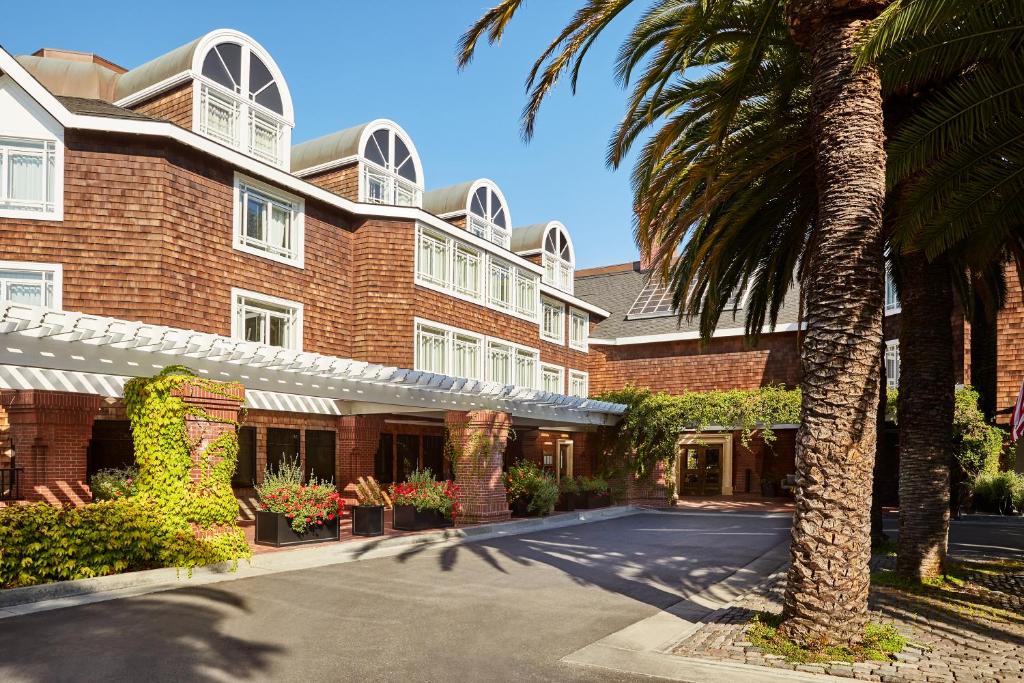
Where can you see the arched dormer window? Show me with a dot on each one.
(242, 99)
(488, 215)
(391, 172)
(559, 259)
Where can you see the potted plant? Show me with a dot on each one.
(422, 502)
(293, 513)
(530, 491)
(368, 516)
(568, 490)
(594, 493)
(543, 494)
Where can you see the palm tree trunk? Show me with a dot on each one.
(926, 404)
(827, 587)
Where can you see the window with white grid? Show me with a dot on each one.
(268, 222)
(33, 284)
(390, 174)
(526, 293)
(499, 362)
(499, 290)
(468, 271)
(29, 177)
(892, 363)
(558, 259)
(467, 353)
(552, 378)
(431, 349)
(579, 330)
(432, 251)
(266, 319)
(526, 365)
(552, 321)
(579, 383)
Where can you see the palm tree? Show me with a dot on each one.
(826, 596)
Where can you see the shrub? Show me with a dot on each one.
(568, 485)
(424, 492)
(525, 479)
(114, 483)
(543, 492)
(518, 478)
(998, 493)
(592, 484)
(305, 505)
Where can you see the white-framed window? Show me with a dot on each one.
(467, 355)
(431, 349)
(448, 350)
(488, 217)
(499, 362)
(432, 254)
(579, 383)
(552, 324)
(892, 363)
(512, 289)
(445, 264)
(268, 222)
(33, 284)
(31, 178)
(558, 259)
(240, 103)
(266, 319)
(469, 271)
(552, 378)
(526, 367)
(579, 329)
(526, 293)
(499, 289)
(389, 174)
(892, 300)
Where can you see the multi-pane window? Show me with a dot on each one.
(552, 321)
(500, 285)
(892, 300)
(499, 362)
(468, 271)
(512, 289)
(389, 170)
(551, 378)
(558, 259)
(267, 223)
(443, 262)
(892, 363)
(240, 103)
(579, 330)
(28, 175)
(432, 257)
(578, 383)
(267, 320)
(467, 352)
(25, 284)
(526, 293)
(488, 217)
(526, 361)
(431, 350)
(447, 350)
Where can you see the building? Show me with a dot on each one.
(160, 215)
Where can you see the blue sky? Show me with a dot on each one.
(351, 61)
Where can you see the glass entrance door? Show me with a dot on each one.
(701, 471)
(564, 469)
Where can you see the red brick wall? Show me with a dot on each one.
(1009, 348)
(478, 471)
(174, 106)
(765, 461)
(532, 444)
(726, 363)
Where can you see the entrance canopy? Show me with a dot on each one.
(82, 353)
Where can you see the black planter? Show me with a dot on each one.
(273, 528)
(566, 502)
(408, 518)
(368, 520)
(598, 499)
(521, 507)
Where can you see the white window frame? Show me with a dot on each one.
(238, 296)
(579, 376)
(395, 187)
(295, 204)
(521, 356)
(51, 208)
(892, 359)
(557, 369)
(547, 304)
(892, 300)
(54, 270)
(484, 344)
(439, 247)
(574, 341)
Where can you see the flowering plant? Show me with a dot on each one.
(305, 505)
(114, 483)
(525, 479)
(424, 492)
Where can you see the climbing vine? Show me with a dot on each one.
(201, 512)
(650, 429)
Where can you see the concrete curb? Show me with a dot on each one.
(45, 597)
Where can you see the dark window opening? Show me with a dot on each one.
(245, 469)
(383, 463)
(320, 455)
(282, 447)
(111, 446)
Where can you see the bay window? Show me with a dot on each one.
(29, 179)
(268, 222)
(579, 330)
(265, 319)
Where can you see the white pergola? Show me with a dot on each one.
(82, 353)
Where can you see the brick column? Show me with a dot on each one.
(479, 439)
(50, 431)
(222, 409)
(358, 437)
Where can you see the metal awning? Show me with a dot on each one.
(95, 354)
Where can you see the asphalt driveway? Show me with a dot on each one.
(506, 609)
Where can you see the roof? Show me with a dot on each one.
(332, 147)
(73, 78)
(93, 107)
(446, 200)
(156, 70)
(619, 291)
(37, 340)
(529, 237)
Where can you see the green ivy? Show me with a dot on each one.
(651, 426)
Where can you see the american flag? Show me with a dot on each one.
(1017, 419)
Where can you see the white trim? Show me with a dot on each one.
(327, 166)
(579, 375)
(561, 376)
(53, 135)
(701, 439)
(295, 333)
(58, 276)
(892, 348)
(298, 221)
(560, 338)
(687, 336)
(146, 93)
(570, 299)
(369, 129)
(585, 345)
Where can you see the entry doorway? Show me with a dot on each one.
(701, 470)
(564, 460)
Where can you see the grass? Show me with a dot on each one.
(956, 591)
(884, 546)
(880, 644)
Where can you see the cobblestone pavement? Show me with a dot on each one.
(972, 634)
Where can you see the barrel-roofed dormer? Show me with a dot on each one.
(548, 245)
(477, 206)
(374, 162)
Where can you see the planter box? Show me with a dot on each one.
(597, 500)
(273, 528)
(566, 502)
(408, 518)
(521, 507)
(368, 520)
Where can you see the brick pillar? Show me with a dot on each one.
(50, 431)
(479, 439)
(358, 437)
(222, 409)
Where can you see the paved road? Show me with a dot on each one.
(497, 610)
(979, 536)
